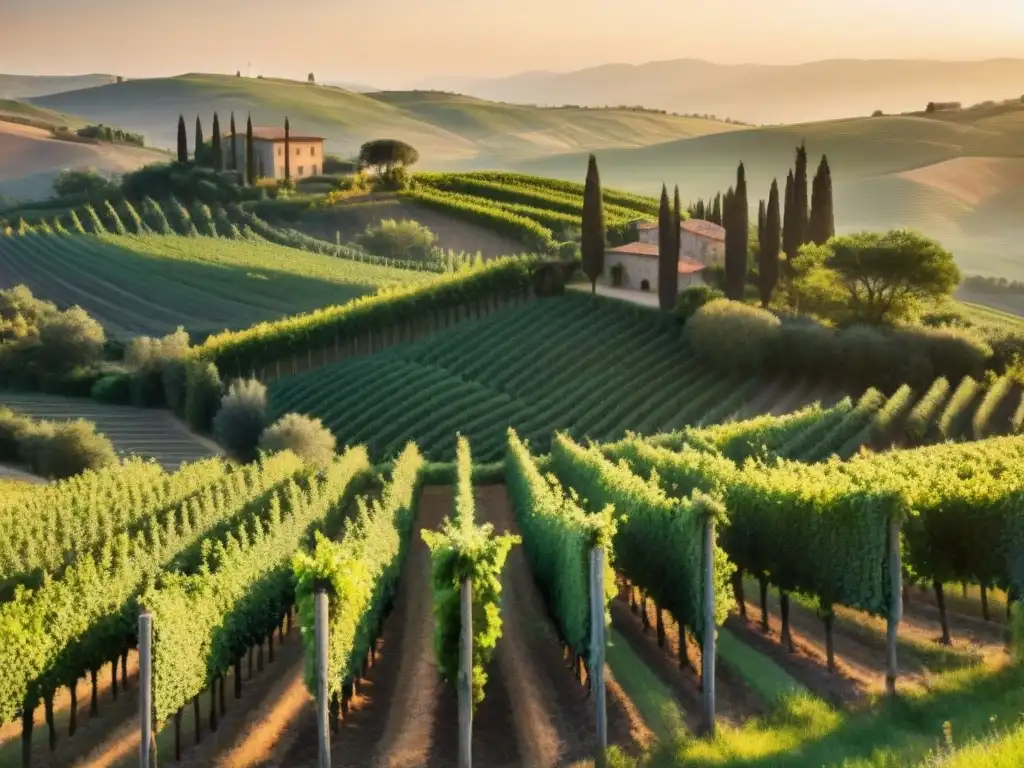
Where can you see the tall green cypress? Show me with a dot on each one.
(592, 245)
(822, 225)
(790, 237)
(250, 155)
(768, 253)
(668, 254)
(677, 223)
(199, 139)
(287, 151)
(716, 210)
(182, 140)
(736, 216)
(760, 222)
(234, 143)
(217, 150)
(800, 195)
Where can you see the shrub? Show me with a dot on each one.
(70, 339)
(241, 418)
(149, 361)
(83, 183)
(12, 426)
(78, 382)
(32, 439)
(69, 448)
(203, 389)
(393, 239)
(307, 438)
(734, 336)
(115, 388)
(692, 299)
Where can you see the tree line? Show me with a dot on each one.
(212, 154)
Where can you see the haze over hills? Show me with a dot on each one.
(445, 128)
(27, 86)
(759, 93)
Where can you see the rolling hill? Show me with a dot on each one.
(759, 93)
(446, 128)
(26, 86)
(956, 176)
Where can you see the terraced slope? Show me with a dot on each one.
(148, 432)
(590, 365)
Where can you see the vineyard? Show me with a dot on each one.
(150, 284)
(537, 212)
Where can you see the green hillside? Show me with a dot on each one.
(887, 172)
(444, 127)
(150, 284)
(27, 86)
(32, 114)
(573, 363)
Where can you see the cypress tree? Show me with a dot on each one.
(287, 152)
(716, 210)
(250, 155)
(592, 245)
(218, 152)
(760, 222)
(822, 225)
(677, 223)
(790, 243)
(199, 139)
(668, 254)
(182, 140)
(768, 253)
(234, 143)
(736, 216)
(800, 195)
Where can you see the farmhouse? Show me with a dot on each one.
(635, 266)
(307, 153)
(699, 240)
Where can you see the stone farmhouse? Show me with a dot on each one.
(635, 265)
(307, 153)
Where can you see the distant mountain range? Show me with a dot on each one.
(758, 93)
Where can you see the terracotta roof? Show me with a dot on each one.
(703, 228)
(697, 227)
(649, 250)
(277, 134)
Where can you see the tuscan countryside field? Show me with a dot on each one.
(655, 414)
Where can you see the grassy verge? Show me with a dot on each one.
(770, 681)
(652, 698)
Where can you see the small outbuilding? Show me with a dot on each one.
(635, 266)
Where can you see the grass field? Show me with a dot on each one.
(20, 111)
(151, 284)
(445, 128)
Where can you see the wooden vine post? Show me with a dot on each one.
(466, 675)
(145, 689)
(322, 702)
(708, 648)
(597, 645)
(895, 605)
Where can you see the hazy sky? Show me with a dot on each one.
(398, 42)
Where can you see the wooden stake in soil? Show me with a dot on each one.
(145, 688)
(830, 652)
(597, 650)
(27, 723)
(48, 714)
(73, 713)
(322, 703)
(94, 702)
(895, 605)
(466, 676)
(197, 718)
(708, 647)
(940, 600)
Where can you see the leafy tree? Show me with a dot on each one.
(387, 154)
(250, 155)
(69, 340)
(736, 215)
(199, 138)
(287, 151)
(306, 437)
(310, 78)
(790, 237)
(878, 278)
(770, 242)
(800, 195)
(218, 152)
(234, 143)
(241, 419)
(668, 255)
(182, 140)
(822, 224)
(82, 183)
(592, 245)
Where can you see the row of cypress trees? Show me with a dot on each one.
(216, 158)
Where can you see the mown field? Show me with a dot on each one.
(150, 284)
